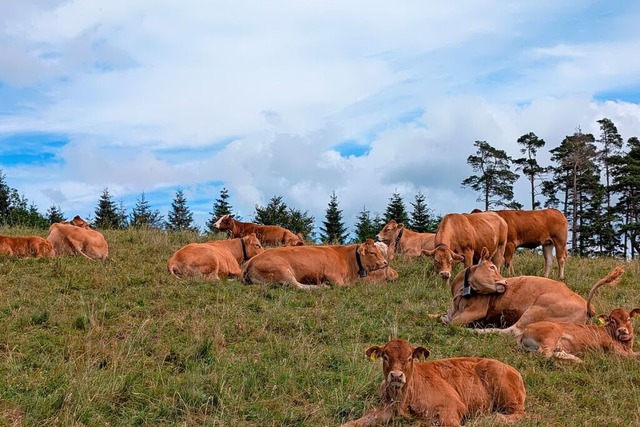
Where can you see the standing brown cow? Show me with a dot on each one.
(442, 392)
(403, 241)
(269, 235)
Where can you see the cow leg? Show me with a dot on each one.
(547, 252)
(561, 354)
(561, 256)
(373, 417)
(512, 330)
(509, 250)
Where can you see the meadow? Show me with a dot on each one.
(123, 343)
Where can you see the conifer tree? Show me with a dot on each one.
(180, 217)
(142, 216)
(422, 219)
(107, 213)
(365, 228)
(220, 207)
(278, 213)
(529, 164)
(333, 230)
(625, 173)
(54, 214)
(396, 210)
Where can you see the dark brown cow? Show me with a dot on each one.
(25, 246)
(483, 298)
(529, 229)
(269, 235)
(215, 259)
(403, 241)
(311, 267)
(461, 237)
(69, 239)
(78, 222)
(564, 340)
(442, 392)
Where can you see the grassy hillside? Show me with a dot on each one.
(123, 343)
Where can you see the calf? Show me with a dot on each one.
(564, 340)
(403, 241)
(272, 235)
(311, 267)
(25, 246)
(442, 392)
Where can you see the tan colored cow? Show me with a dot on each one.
(485, 299)
(403, 241)
(565, 340)
(311, 267)
(25, 246)
(442, 392)
(387, 274)
(529, 229)
(215, 259)
(78, 222)
(461, 237)
(269, 235)
(68, 239)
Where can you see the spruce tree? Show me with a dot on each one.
(180, 217)
(142, 216)
(529, 164)
(300, 222)
(625, 174)
(220, 207)
(107, 213)
(54, 214)
(365, 228)
(275, 213)
(333, 230)
(396, 210)
(421, 215)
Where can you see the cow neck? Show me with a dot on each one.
(467, 290)
(361, 271)
(244, 250)
(398, 239)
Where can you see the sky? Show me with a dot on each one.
(298, 99)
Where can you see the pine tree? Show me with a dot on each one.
(220, 207)
(275, 213)
(625, 174)
(396, 210)
(107, 214)
(421, 215)
(142, 216)
(300, 222)
(496, 180)
(378, 222)
(54, 214)
(180, 217)
(333, 230)
(528, 164)
(365, 228)
(5, 202)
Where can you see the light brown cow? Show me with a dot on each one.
(269, 235)
(483, 298)
(529, 229)
(311, 267)
(25, 246)
(403, 241)
(564, 340)
(442, 392)
(215, 259)
(461, 237)
(69, 239)
(387, 274)
(78, 222)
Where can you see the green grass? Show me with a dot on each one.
(123, 343)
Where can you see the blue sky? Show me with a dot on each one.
(298, 99)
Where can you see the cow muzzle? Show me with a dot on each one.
(396, 379)
(445, 275)
(623, 334)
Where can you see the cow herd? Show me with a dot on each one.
(544, 315)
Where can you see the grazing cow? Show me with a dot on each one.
(215, 259)
(311, 267)
(25, 246)
(78, 222)
(461, 237)
(564, 340)
(404, 241)
(386, 274)
(271, 235)
(69, 239)
(442, 392)
(530, 229)
(483, 298)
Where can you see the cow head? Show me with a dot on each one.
(484, 278)
(389, 232)
(619, 326)
(225, 222)
(371, 256)
(397, 362)
(252, 245)
(444, 259)
(79, 222)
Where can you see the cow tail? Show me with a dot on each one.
(612, 279)
(246, 278)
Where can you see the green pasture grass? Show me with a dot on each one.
(123, 343)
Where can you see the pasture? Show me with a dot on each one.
(123, 343)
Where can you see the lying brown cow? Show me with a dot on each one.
(25, 246)
(403, 241)
(564, 339)
(386, 274)
(461, 237)
(311, 267)
(483, 298)
(69, 239)
(215, 259)
(78, 222)
(269, 235)
(442, 392)
(530, 229)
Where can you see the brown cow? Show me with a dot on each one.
(69, 239)
(215, 259)
(386, 274)
(530, 229)
(461, 237)
(565, 339)
(78, 222)
(311, 267)
(442, 392)
(271, 235)
(482, 298)
(26, 246)
(403, 241)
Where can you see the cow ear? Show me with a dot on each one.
(428, 252)
(485, 253)
(634, 312)
(457, 257)
(373, 352)
(419, 352)
(400, 226)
